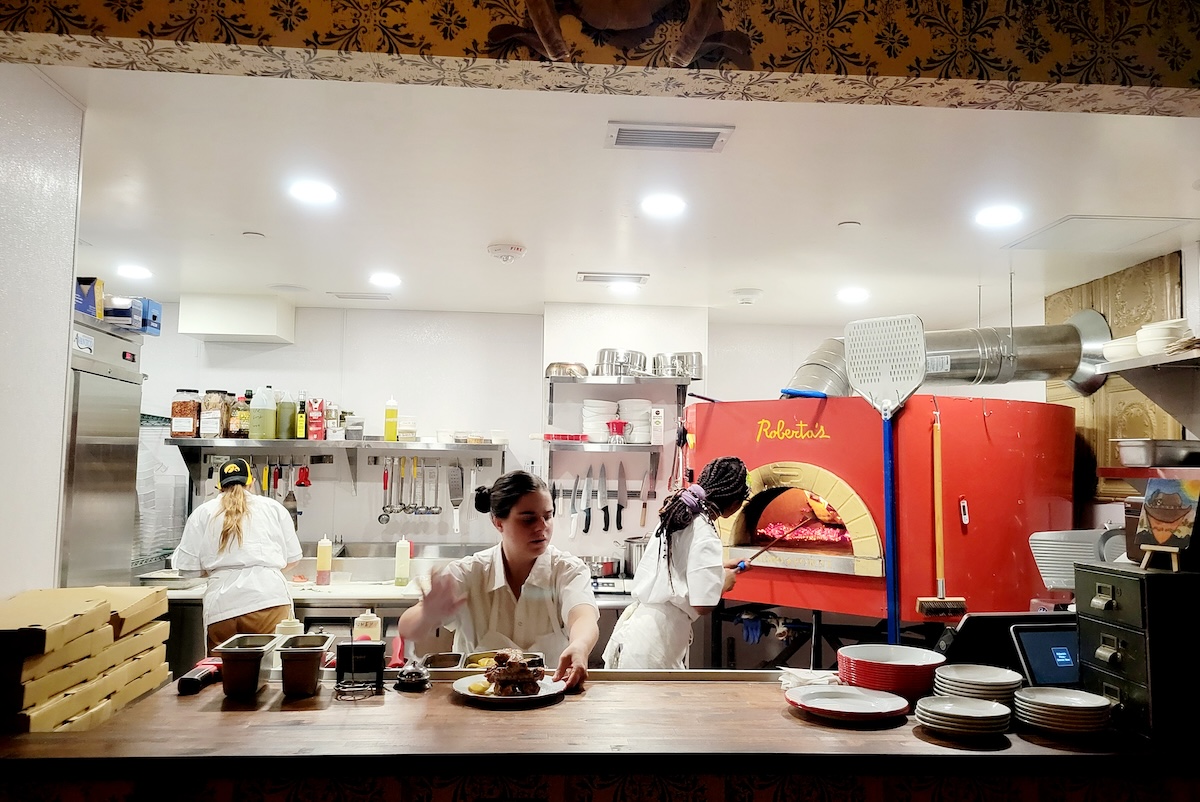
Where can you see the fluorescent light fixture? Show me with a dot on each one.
(385, 279)
(624, 287)
(133, 271)
(852, 295)
(999, 216)
(663, 206)
(312, 192)
(612, 278)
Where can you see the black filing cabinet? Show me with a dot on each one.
(1136, 644)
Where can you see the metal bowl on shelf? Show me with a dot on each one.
(575, 370)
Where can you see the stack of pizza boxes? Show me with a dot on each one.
(72, 657)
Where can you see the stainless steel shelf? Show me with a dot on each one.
(1170, 380)
(239, 444)
(665, 380)
(566, 445)
(1187, 359)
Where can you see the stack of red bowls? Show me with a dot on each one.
(904, 670)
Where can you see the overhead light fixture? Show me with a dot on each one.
(287, 288)
(315, 192)
(133, 271)
(850, 224)
(385, 279)
(852, 295)
(613, 278)
(999, 216)
(361, 296)
(663, 206)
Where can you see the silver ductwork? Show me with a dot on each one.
(1069, 352)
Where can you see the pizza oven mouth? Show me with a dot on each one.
(805, 520)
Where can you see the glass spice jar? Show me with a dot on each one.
(185, 413)
(212, 414)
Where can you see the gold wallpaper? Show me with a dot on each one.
(1037, 54)
(1152, 290)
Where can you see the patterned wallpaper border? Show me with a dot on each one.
(313, 64)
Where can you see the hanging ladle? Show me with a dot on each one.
(436, 509)
(383, 516)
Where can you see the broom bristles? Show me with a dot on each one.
(946, 606)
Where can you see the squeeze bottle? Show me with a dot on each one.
(403, 553)
(288, 626)
(324, 560)
(302, 417)
(391, 414)
(367, 627)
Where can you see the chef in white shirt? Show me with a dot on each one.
(682, 574)
(243, 543)
(522, 593)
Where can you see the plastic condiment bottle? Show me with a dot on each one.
(262, 414)
(403, 555)
(285, 417)
(302, 416)
(324, 560)
(288, 626)
(368, 625)
(391, 414)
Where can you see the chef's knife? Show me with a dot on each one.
(622, 492)
(575, 506)
(645, 493)
(587, 501)
(602, 496)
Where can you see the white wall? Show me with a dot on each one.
(40, 134)
(753, 362)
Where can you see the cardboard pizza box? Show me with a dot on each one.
(89, 719)
(132, 607)
(85, 645)
(147, 683)
(39, 621)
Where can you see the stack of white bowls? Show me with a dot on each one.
(977, 682)
(637, 412)
(596, 415)
(963, 716)
(1121, 348)
(1153, 338)
(1062, 710)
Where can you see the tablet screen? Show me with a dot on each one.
(1049, 653)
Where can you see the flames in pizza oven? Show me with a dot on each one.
(801, 517)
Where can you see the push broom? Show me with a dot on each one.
(941, 604)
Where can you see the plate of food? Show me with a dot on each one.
(509, 681)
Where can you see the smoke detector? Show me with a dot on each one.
(506, 252)
(747, 296)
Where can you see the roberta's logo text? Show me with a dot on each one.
(797, 431)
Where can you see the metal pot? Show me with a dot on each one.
(572, 369)
(619, 362)
(602, 566)
(689, 364)
(634, 547)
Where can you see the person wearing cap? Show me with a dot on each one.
(243, 543)
(682, 574)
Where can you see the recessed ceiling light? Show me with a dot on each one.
(663, 205)
(852, 295)
(624, 287)
(998, 216)
(849, 224)
(254, 235)
(133, 271)
(312, 192)
(385, 279)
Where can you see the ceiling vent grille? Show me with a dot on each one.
(613, 278)
(362, 296)
(667, 136)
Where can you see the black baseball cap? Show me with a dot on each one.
(235, 472)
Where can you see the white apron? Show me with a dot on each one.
(551, 644)
(650, 636)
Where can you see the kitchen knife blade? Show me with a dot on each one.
(622, 492)
(645, 493)
(602, 496)
(587, 501)
(575, 506)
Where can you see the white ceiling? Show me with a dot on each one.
(177, 166)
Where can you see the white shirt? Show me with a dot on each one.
(247, 577)
(696, 575)
(537, 621)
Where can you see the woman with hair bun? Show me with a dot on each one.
(682, 575)
(520, 594)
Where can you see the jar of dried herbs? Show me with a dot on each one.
(185, 413)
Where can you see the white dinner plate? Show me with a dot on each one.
(970, 674)
(846, 702)
(546, 690)
(963, 707)
(1063, 697)
(999, 690)
(983, 724)
(949, 724)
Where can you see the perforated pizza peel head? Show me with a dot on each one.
(885, 360)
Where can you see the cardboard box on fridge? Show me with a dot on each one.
(89, 296)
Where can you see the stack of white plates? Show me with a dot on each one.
(1063, 710)
(637, 412)
(977, 682)
(962, 715)
(596, 415)
(1153, 338)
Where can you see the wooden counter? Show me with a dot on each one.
(615, 740)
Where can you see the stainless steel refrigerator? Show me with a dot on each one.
(104, 401)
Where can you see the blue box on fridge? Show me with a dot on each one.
(151, 317)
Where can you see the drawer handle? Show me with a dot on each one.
(1108, 655)
(1103, 603)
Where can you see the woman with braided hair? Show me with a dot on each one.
(682, 575)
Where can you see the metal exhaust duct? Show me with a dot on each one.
(1069, 352)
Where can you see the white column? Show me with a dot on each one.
(40, 135)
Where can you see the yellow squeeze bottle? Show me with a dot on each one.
(391, 414)
(324, 560)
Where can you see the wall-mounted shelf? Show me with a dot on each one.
(1170, 380)
(680, 383)
(193, 448)
(568, 445)
(1139, 476)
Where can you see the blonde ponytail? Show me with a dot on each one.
(233, 503)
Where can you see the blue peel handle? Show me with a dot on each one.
(790, 393)
(741, 566)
